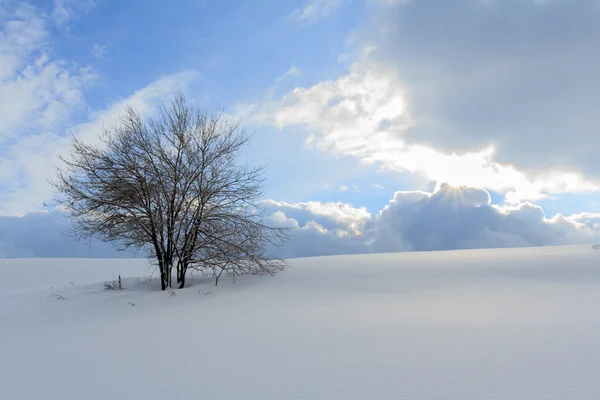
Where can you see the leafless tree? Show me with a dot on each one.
(172, 186)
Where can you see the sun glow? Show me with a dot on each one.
(365, 114)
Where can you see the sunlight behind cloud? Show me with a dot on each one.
(445, 219)
(365, 113)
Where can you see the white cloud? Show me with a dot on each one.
(292, 72)
(31, 159)
(315, 10)
(60, 12)
(446, 219)
(38, 94)
(64, 10)
(143, 100)
(320, 228)
(365, 113)
(330, 215)
(39, 97)
(36, 91)
(99, 52)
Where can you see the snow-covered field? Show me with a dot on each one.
(495, 324)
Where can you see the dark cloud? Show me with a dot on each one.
(46, 234)
(519, 74)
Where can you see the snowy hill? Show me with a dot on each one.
(486, 324)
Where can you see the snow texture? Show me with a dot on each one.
(485, 324)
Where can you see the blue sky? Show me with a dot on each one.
(361, 108)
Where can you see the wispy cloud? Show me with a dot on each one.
(292, 72)
(64, 10)
(315, 10)
(40, 96)
(345, 188)
(99, 51)
(37, 91)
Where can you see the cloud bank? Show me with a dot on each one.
(449, 218)
(45, 234)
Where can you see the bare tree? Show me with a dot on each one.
(172, 186)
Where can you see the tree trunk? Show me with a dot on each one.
(181, 279)
(163, 280)
(163, 275)
(162, 267)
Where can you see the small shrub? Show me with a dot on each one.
(117, 284)
(143, 281)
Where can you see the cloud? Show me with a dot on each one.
(345, 188)
(315, 10)
(32, 158)
(480, 109)
(292, 72)
(64, 10)
(37, 92)
(40, 96)
(99, 52)
(44, 234)
(331, 215)
(365, 114)
(144, 100)
(518, 74)
(447, 219)
(319, 228)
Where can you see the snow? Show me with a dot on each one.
(485, 324)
